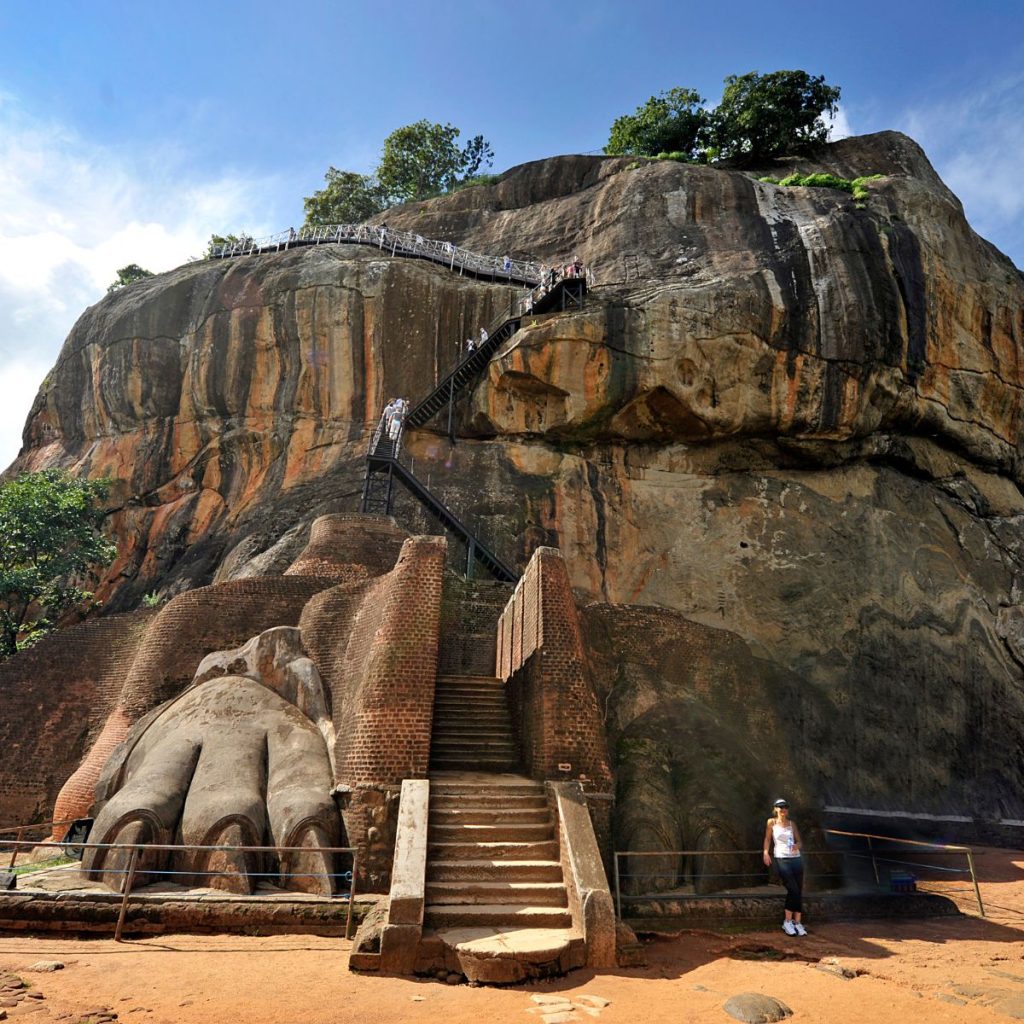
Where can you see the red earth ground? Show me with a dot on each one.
(961, 969)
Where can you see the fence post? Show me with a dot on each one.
(351, 894)
(17, 848)
(874, 863)
(618, 890)
(129, 879)
(974, 879)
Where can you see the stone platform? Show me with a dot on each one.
(57, 900)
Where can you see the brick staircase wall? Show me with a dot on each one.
(376, 645)
(555, 710)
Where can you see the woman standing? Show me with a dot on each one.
(786, 838)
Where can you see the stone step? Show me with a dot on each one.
(472, 691)
(458, 705)
(540, 849)
(455, 763)
(471, 747)
(474, 721)
(470, 871)
(462, 813)
(536, 894)
(456, 801)
(511, 915)
(510, 785)
(496, 833)
(449, 679)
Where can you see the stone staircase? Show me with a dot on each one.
(496, 907)
(495, 894)
(472, 726)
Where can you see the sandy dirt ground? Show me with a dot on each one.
(961, 969)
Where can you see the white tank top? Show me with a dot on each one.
(784, 840)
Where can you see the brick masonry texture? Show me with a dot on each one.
(349, 548)
(541, 656)
(469, 617)
(376, 645)
(54, 701)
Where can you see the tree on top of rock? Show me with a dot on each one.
(671, 122)
(764, 116)
(759, 117)
(423, 159)
(346, 198)
(51, 540)
(129, 275)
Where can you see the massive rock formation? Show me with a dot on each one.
(780, 449)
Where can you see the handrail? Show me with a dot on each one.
(872, 853)
(408, 243)
(136, 848)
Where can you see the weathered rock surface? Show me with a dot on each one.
(780, 449)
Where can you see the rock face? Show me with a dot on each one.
(780, 449)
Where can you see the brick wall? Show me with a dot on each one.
(469, 614)
(540, 655)
(54, 701)
(376, 646)
(349, 548)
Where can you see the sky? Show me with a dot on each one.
(130, 132)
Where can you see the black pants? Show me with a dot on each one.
(791, 871)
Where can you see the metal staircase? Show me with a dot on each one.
(383, 469)
(567, 293)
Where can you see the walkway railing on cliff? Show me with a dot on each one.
(404, 243)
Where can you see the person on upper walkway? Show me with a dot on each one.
(483, 335)
(506, 264)
(470, 344)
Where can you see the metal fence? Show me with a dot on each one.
(677, 875)
(406, 243)
(64, 851)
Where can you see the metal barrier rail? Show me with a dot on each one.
(407, 243)
(872, 853)
(924, 847)
(135, 849)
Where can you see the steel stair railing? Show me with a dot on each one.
(383, 468)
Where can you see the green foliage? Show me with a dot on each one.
(763, 116)
(857, 187)
(218, 240)
(152, 600)
(671, 122)
(759, 117)
(419, 161)
(424, 158)
(478, 179)
(51, 541)
(129, 275)
(347, 198)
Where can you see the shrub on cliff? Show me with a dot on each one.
(51, 542)
(129, 275)
(346, 198)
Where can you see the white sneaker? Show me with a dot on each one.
(799, 928)
(789, 928)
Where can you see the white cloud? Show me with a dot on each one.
(976, 143)
(839, 126)
(71, 214)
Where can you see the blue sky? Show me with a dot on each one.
(130, 132)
